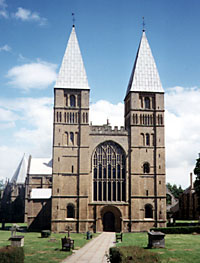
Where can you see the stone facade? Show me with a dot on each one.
(108, 179)
(38, 187)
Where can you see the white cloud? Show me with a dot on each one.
(32, 76)
(3, 11)
(5, 48)
(182, 133)
(27, 15)
(34, 135)
(103, 110)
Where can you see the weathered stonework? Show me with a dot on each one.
(108, 179)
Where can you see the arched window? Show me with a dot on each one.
(86, 117)
(142, 139)
(146, 168)
(148, 211)
(70, 211)
(72, 101)
(65, 138)
(147, 103)
(147, 139)
(72, 137)
(66, 100)
(109, 176)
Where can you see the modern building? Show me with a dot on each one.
(106, 179)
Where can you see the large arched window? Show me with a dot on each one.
(70, 211)
(109, 173)
(148, 211)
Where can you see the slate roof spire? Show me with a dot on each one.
(72, 74)
(20, 173)
(144, 76)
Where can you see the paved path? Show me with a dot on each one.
(94, 251)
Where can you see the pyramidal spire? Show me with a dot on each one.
(72, 74)
(144, 76)
(20, 173)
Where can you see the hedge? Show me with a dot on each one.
(178, 230)
(132, 254)
(11, 255)
(181, 224)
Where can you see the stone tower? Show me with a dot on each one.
(70, 141)
(107, 179)
(144, 121)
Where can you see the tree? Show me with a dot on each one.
(197, 181)
(176, 191)
(1, 187)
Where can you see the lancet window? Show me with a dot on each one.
(109, 173)
(148, 211)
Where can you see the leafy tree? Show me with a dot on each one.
(1, 187)
(176, 191)
(197, 181)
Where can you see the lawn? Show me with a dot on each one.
(43, 250)
(178, 248)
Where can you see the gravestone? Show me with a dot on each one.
(156, 239)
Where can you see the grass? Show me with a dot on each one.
(178, 248)
(43, 250)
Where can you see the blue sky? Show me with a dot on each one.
(33, 39)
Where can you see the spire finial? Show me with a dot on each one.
(73, 19)
(143, 24)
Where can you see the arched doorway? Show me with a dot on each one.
(109, 222)
(111, 218)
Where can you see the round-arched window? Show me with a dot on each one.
(72, 101)
(70, 211)
(147, 103)
(146, 168)
(148, 211)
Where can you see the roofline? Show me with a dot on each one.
(151, 92)
(72, 88)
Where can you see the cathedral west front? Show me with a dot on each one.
(104, 178)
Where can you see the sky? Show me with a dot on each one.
(34, 36)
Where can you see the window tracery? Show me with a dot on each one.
(109, 176)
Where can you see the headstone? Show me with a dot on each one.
(156, 239)
(68, 228)
(17, 241)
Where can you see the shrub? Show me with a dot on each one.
(132, 254)
(178, 230)
(182, 224)
(11, 255)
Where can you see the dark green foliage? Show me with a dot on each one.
(133, 254)
(11, 255)
(182, 224)
(197, 181)
(176, 191)
(115, 255)
(197, 168)
(178, 230)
